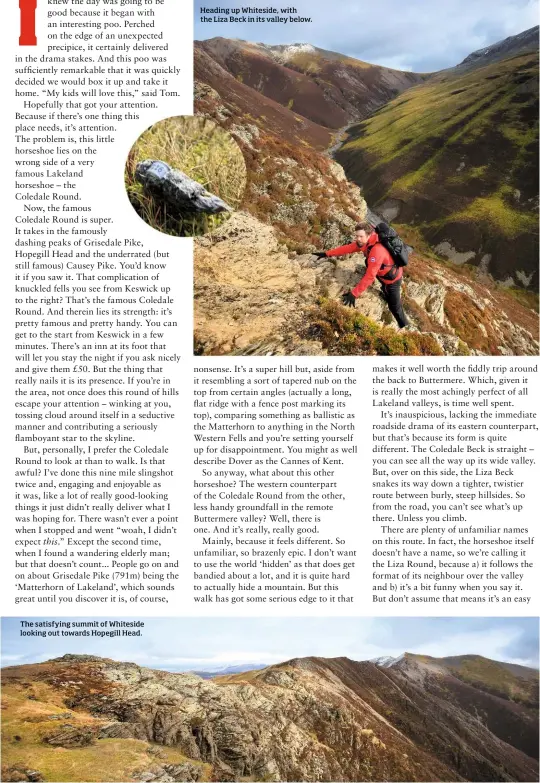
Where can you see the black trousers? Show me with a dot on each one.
(392, 295)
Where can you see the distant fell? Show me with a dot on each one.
(327, 88)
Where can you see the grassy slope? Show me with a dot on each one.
(519, 684)
(455, 150)
(25, 723)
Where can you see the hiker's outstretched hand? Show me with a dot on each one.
(348, 299)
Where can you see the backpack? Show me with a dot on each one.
(393, 243)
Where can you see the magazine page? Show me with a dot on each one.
(271, 390)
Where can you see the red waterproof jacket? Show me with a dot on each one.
(379, 262)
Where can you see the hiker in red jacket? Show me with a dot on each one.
(379, 265)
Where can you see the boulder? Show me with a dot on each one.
(177, 189)
(115, 731)
(71, 737)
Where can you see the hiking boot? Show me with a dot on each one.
(409, 328)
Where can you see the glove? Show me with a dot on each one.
(348, 299)
(321, 254)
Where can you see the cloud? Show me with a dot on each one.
(212, 643)
(419, 35)
(492, 643)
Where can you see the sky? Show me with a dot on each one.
(184, 644)
(418, 35)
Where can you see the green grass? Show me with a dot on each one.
(457, 151)
(204, 152)
(496, 678)
(493, 211)
(466, 102)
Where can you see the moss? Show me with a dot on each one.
(495, 213)
(346, 332)
(462, 349)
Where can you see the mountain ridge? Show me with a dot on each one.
(327, 88)
(526, 41)
(304, 719)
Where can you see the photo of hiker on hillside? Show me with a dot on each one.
(386, 255)
(435, 143)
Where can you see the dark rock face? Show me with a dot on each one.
(177, 189)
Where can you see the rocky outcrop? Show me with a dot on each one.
(170, 773)
(71, 737)
(18, 774)
(283, 723)
(177, 190)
